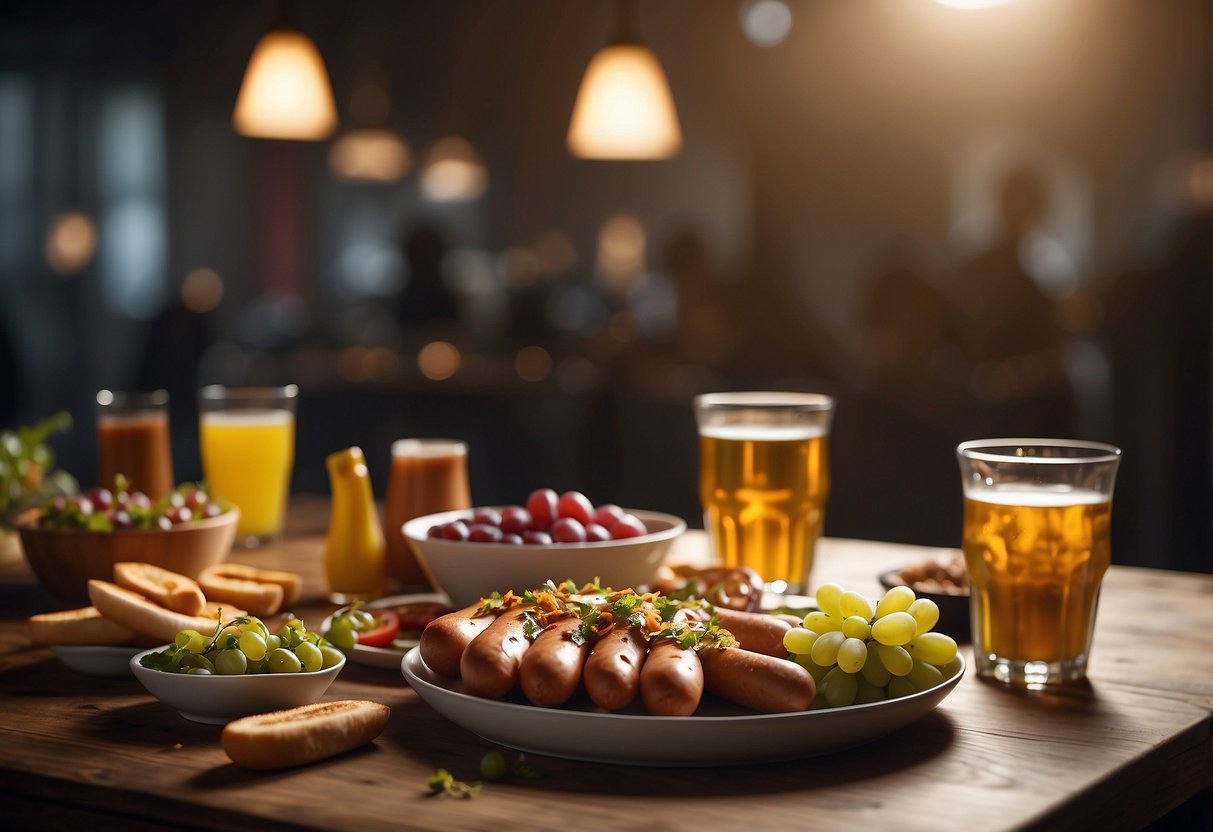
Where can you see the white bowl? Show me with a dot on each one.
(217, 700)
(468, 571)
(89, 660)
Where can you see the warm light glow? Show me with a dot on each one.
(439, 360)
(533, 363)
(622, 242)
(370, 156)
(286, 92)
(202, 290)
(453, 171)
(972, 4)
(624, 109)
(766, 23)
(71, 242)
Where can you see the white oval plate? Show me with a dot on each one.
(108, 662)
(389, 657)
(670, 740)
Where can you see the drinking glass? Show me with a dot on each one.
(1037, 519)
(133, 440)
(764, 477)
(247, 439)
(427, 476)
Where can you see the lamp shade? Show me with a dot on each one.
(371, 155)
(453, 171)
(624, 109)
(286, 92)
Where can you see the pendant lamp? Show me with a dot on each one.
(624, 108)
(286, 93)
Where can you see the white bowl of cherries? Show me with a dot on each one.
(469, 554)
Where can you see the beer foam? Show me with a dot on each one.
(1017, 495)
(763, 433)
(428, 448)
(248, 418)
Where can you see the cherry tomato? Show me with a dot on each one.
(383, 629)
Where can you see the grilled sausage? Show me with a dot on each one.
(551, 669)
(444, 639)
(491, 662)
(756, 631)
(764, 683)
(671, 681)
(612, 672)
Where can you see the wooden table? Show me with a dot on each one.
(1115, 754)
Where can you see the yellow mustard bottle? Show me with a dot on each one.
(355, 552)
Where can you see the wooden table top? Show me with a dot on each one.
(1116, 753)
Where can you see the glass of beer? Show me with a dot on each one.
(764, 476)
(427, 476)
(1037, 521)
(133, 440)
(247, 439)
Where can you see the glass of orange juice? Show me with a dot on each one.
(247, 439)
(1037, 542)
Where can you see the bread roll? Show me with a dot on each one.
(260, 598)
(133, 611)
(168, 589)
(291, 582)
(297, 736)
(85, 626)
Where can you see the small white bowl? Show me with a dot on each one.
(217, 700)
(467, 571)
(104, 661)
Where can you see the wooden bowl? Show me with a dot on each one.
(64, 560)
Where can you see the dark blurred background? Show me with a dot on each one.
(962, 222)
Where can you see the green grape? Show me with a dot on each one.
(897, 599)
(332, 656)
(925, 676)
(895, 659)
(254, 625)
(492, 766)
(198, 671)
(815, 670)
(273, 641)
(868, 693)
(310, 656)
(856, 627)
(840, 688)
(852, 603)
(798, 640)
(925, 612)
(262, 665)
(901, 686)
(197, 660)
(342, 637)
(933, 648)
(828, 596)
(874, 672)
(825, 649)
(852, 655)
(284, 661)
(253, 644)
(231, 663)
(896, 628)
(820, 622)
(183, 638)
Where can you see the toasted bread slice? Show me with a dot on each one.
(83, 627)
(258, 597)
(168, 589)
(144, 617)
(291, 582)
(296, 736)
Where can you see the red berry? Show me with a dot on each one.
(576, 505)
(568, 530)
(455, 530)
(196, 498)
(515, 520)
(436, 530)
(512, 539)
(102, 498)
(163, 523)
(628, 526)
(179, 514)
(607, 515)
(536, 538)
(83, 504)
(212, 510)
(595, 532)
(542, 506)
(486, 517)
(484, 533)
(137, 499)
(121, 519)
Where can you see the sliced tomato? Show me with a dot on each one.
(382, 632)
(414, 617)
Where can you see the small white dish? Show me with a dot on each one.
(106, 662)
(699, 740)
(388, 658)
(217, 700)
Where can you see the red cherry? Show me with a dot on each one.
(534, 537)
(179, 514)
(515, 520)
(576, 505)
(628, 526)
(595, 532)
(542, 506)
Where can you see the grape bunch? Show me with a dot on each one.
(858, 654)
(547, 518)
(245, 645)
(103, 510)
